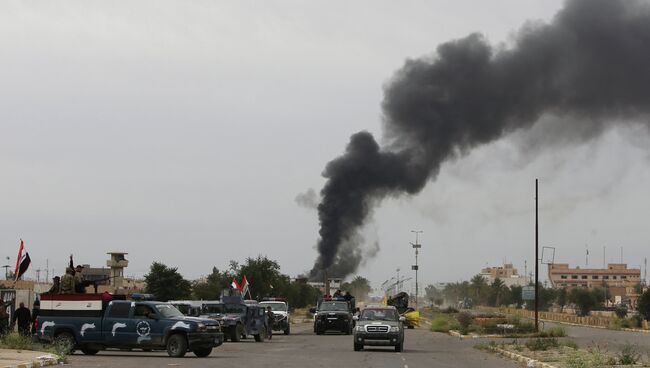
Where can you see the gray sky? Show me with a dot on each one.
(182, 132)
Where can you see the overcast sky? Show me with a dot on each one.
(182, 131)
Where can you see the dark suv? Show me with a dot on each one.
(333, 315)
(379, 326)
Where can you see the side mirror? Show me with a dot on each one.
(402, 319)
(312, 310)
(356, 318)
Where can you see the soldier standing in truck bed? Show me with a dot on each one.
(67, 282)
(79, 286)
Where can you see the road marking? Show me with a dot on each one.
(403, 359)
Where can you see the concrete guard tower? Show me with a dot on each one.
(117, 263)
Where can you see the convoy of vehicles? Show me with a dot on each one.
(379, 326)
(238, 319)
(280, 310)
(88, 323)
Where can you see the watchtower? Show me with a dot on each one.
(117, 264)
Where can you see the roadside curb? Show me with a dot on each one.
(42, 361)
(591, 326)
(455, 333)
(530, 362)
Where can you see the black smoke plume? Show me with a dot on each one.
(589, 67)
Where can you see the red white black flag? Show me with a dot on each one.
(244, 286)
(22, 262)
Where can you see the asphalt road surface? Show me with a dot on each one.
(303, 348)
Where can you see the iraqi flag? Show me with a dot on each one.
(235, 284)
(22, 262)
(244, 285)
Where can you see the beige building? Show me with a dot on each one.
(506, 273)
(619, 280)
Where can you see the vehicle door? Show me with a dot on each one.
(118, 328)
(148, 325)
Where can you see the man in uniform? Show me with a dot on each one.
(24, 318)
(270, 320)
(4, 318)
(79, 286)
(56, 285)
(67, 282)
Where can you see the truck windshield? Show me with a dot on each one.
(334, 306)
(213, 308)
(278, 307)
(379, 315)
(184, 308)
(168, 311)
(235, 308)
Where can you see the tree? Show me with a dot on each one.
(496, 291)
(586, 300)
(165, 283)
(432, 294)
(214, 283)
(263, 275)
(514, 296)
(561, 298)
(359, 287)
(546, 298)
(479, 287)
(643, 305)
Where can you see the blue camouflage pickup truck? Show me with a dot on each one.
(88, 323)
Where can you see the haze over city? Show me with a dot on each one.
(184, 134)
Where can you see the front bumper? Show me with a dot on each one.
(338, 323)
(204, 339)
(378, 339)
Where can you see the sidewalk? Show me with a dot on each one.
(25, 358)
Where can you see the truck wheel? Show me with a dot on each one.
(288, 330)
(260, 336)
(399, 347)
(357, 347)
(236, 332)
(202, 352)
(66, 341)
(176, 346)
(89, 351)
(410, 327)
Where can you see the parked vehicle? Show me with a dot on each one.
(238, 319)
(84, 321)
(280, 310)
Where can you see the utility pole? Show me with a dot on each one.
(415, 267)
(397, 287)
(536, 257)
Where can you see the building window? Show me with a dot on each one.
(584, 277)
(605, 277)
(563, 277)
(574, 277)
(594, 277)
(623, 277)
(614, 277)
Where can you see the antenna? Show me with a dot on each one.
(645, 270)
(586, 256)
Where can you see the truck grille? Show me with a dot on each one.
(377, 328)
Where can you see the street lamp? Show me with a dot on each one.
(415, 267)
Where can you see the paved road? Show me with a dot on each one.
(304, 349)
(611, 339)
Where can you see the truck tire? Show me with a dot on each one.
(89, 351)
(236, 332)
(176, 346)
(287, 330)
(202, 352)
(348, 330)
(357, 347)
(260, 336)
(66, 340)
(399, 347)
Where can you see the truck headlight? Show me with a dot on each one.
(200, 327)
(359, 328)
(394, 329)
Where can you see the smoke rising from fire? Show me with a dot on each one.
(589, 68)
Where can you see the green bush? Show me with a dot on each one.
(440, 324)
(465, 319)
(628, 355)
(621, 312)
(570, 344)
(553, 332)
(17, 342)
(582, 359)
(450, 310)
(542, 344)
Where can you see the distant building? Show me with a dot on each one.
(617, 278)
(506, 273)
